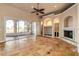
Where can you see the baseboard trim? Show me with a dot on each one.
(2, 42)
(71, 42)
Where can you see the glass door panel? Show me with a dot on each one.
(15, 28)
(9, 26)
(10, 30)
(28, 27)
(20, 26)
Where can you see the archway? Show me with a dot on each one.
(56, 27)
(47, 24)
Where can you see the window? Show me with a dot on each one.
(9, 26)
(20, 26)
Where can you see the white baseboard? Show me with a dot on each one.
(47, 36)
(73, 43)
(2, 41)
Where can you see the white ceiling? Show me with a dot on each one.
(47, 6)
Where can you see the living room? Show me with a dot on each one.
(46, 22)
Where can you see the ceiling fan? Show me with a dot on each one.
(38, 10)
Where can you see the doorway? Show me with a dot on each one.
(56, 30)
(56, 27)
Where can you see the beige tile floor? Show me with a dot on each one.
(41, 46)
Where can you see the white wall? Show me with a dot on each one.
(77, 32)
(36, 28)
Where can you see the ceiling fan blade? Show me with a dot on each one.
(35, 9)
(42, 12)
(41, 9)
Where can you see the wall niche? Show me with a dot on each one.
(47, 27)
(68, 22)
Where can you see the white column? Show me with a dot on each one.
(2, 29)
(15, 26)
(77, 29)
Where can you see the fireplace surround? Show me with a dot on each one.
(68, 34)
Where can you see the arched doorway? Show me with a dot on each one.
(47, 25)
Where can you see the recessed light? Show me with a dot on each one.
(32, 6)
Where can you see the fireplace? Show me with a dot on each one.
(68, 34)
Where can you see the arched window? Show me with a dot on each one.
(56, 20)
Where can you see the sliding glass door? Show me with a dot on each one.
(10, 30)
(16, 28)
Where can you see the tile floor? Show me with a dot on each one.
(41, 46)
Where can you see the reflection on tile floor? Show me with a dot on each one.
(14, 45)
(25, 46)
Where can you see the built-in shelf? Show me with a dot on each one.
(48, 30)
